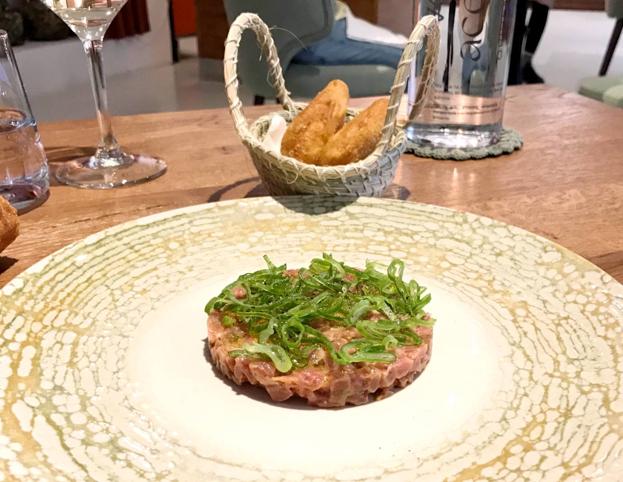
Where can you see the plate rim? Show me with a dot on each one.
(169, 213)
(458, 216)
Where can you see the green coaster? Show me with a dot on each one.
(509, 141)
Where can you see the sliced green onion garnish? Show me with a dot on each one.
(280, 311)
(228, 321)
(360, 309)
(275, 353)
(365, 351)
(267, 332)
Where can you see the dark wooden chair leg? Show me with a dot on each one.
(614, 39)
(258, 100)
(175, 49)
(514, 71)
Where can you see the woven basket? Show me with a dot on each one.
(284, 175)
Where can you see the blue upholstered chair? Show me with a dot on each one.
(295, 24)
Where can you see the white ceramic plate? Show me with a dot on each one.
(103, 374)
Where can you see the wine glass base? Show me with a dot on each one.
(88, 173)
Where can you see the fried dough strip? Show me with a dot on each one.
(358, 138)
(311, 129)
(9, 224)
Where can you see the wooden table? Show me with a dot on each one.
(565, 184)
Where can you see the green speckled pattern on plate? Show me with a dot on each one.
(103, 376)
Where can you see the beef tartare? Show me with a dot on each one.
(329, 333)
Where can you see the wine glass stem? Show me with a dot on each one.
(107, 153)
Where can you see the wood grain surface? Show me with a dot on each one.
(565, 184)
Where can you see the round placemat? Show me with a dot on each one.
(510, 140)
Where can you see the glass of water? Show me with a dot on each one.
(23, 164)
(467, 103)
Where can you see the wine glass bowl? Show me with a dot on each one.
(110, 166)
(89, 19)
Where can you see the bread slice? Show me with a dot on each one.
(9, 224)
(311, 129)
(358, 138)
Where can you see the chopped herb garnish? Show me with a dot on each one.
(278, 308)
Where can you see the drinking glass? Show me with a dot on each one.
(467, 102)
(23, 165)
(110, 166)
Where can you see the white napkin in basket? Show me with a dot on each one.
(274, 134)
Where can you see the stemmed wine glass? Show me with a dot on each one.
(110, 166)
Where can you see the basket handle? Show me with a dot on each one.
(230, 64)
(427, 28)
